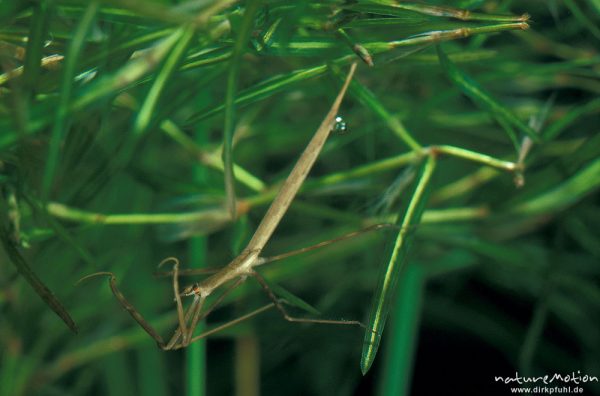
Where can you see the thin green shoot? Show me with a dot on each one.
(61, 122)
(232, 82)
(35, 282)
(409, 216)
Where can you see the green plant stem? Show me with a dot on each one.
(591, 26)
(67, 213)
(138, 68)
(533, 337)
(196, 353)
(476, 157)
(453, 34)
(62, 232)
(484, 175)
(232, 81)
(247, 368)
(365, 170)
(464, 184)
(505, 117)
(357, 48)
(431, 216)
(61, 123)
(570, 191)
(395, 162)
(148, 107)
(35, 282)
(368, 99)
(409, 215)
(101, 347)
(400, 351)
(210, 159)
(129, 74)
(440, 11)
(35, 44)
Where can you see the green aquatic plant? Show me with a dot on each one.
(134, 131)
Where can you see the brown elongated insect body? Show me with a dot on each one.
(242, 267)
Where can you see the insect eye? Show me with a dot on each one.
(188, 291)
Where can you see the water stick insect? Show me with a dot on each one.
(242, 267)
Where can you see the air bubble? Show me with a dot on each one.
(340, 125)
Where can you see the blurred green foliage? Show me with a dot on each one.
(114, 115)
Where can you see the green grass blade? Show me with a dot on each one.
(555, 129)
(475, 157)
(129, 74)
(400, 352)
(149, 106)
(42, 12)
(232, 80)
(356, 47)
(483, 99)
(264, 89)
(583, 19)
(437, 36)
(584, 235)
(208, 218)
(369, 100)
(35, 282)
(293, 300)
(125, 77)
(171, 62)
(584, 154)
(533, 337)
(195, 375)
(409, 215)
(152, 10)
(564, 195)
(134, 43)
(61, 121)
(62, 232)
(91, 351)
(135, 76)
(210, 159)
(448, 12)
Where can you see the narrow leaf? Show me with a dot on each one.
(555, 129)
(293, 300)
(442, 11)
(484, 100)
(61, 231)
(172, 61)
(400, 353)
(38, 286)
(61, 124)
(264, 89)
(148, 108)
(368, 99)
(409, 216)
(566, 194)
(232, 81)
(35, 44)
(136, 68)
